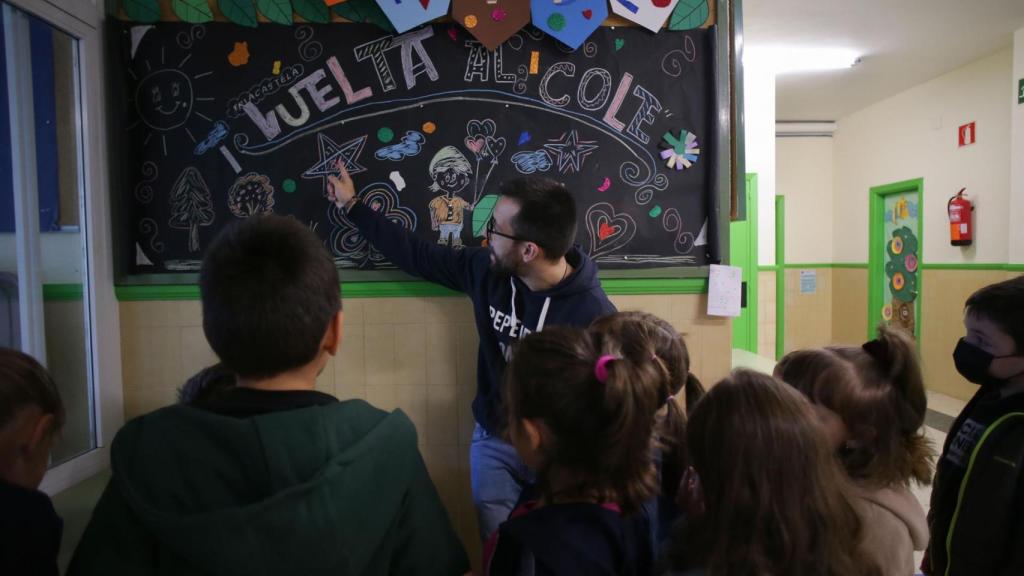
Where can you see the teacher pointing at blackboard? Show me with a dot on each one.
(529, 275)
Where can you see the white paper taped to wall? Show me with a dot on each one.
(724, 290)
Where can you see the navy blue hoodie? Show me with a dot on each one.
(504, 307)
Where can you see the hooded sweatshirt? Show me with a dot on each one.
(336, 489)
(894, 527)
(504, 307)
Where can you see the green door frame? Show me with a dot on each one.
(745, 334)
(876, 246)
(780, 277)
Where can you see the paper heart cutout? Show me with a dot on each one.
(609, 231)
(619, 43)
(481, 127)
(476, 144)
(588, 13)
(425, 3)
(496, 146)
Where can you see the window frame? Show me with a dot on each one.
(83, 20)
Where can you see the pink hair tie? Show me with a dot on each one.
(601, 367)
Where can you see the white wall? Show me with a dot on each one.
(1016, 212)
(759, 133)
(804, 176)
(914, 135)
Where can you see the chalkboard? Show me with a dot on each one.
(222, 122)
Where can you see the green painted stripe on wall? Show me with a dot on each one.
(62, 292)
(612, 286)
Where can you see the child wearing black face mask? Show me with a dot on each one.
(977, 508)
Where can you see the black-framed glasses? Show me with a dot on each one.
(491, 231)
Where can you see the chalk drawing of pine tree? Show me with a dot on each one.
(191, 206)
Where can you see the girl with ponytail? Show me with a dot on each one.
(871, 400)
(581, 414)
(646, 337)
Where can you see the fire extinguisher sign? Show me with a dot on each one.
(967, 134)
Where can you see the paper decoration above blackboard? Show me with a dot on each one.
(569, 22)
(491, 22)
(650, 14)
(689, 14)
(409, 14)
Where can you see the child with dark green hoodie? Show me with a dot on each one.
(269, 476)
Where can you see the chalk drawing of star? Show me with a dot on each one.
(330, 152)
(571, 151)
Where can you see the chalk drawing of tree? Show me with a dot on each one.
(191, 206)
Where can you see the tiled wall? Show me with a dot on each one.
(766, 314)
(849, 305)
(417, 354)
(808, 317)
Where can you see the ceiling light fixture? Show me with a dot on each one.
(792, 60)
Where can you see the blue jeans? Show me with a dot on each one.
(498, 476)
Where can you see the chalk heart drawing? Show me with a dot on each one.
(476, 144)
(485, 127)
(608, 230)
(495, 145)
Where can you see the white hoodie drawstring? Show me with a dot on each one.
(543, 311)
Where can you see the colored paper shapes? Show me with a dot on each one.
(397, 180)
(619, 43)
(534, 62)
(288, 185)
(650, 15)
(682, 151)
(689, 14)
(605, 185)
(887, 312)
(364, 11)
(524, 137)
(408, 14)
(428, 127)
(482, 213)
(385, 135)
(569, 21)
(655, 212)
(277, 68)
(491, 22)
(911, 263)
(897, 245)
(240, 55)
(608, 230)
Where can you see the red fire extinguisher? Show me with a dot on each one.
(961, 232)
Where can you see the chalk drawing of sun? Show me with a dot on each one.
(165, 97)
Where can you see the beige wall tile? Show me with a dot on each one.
(379, 354)
(442, 354)
(152, 357)
(196, 353)
(411, 354)
(849, 305)
(442, 415)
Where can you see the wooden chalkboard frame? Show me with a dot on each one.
(729, 175)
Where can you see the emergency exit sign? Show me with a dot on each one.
(1020, 91)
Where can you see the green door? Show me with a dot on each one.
(743, 253)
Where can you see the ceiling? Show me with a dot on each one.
(904, 43)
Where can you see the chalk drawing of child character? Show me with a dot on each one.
(450, 172)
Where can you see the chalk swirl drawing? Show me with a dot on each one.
(682, 243)
(309, 49)
(191, 205)
(522, 75)
(149, 229)
(411, 145)
(251, 195)
(144, 190)
(531, 161)
(348, 244)
(670, 62)
(590, 49)
(187, 38)
(608, 230)
(645, 193)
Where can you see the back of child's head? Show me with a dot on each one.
(597, 402)
(24, 383)
(1002, 303)
(775, 499)
(642, 331)
(269, 290)
(879, 394)
(644, 336)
